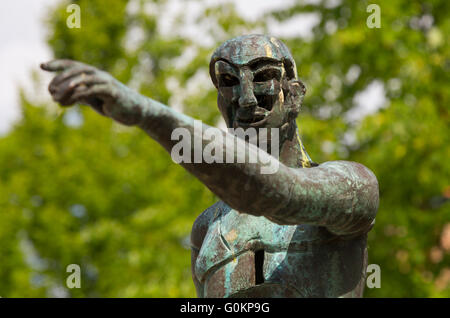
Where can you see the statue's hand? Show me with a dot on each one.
(81, 83)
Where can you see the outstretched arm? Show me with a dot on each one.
(341, 196)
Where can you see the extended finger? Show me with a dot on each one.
(58, 65)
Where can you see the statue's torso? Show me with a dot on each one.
(248, 256)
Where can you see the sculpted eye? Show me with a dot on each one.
(228, 80)
(267, 75)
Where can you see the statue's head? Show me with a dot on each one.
(257, 84)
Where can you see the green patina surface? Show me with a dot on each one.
(297, 232)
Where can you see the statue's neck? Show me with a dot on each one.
(292, 153)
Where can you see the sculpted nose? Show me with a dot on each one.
(247, 98)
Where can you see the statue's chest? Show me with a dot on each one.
(232, 235)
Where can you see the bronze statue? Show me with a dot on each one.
(300, 231)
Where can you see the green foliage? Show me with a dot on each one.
(109, 198)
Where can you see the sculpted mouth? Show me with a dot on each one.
(254, 119)
(258, 117)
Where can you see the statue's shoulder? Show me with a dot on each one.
(351, 169)
(365, 188)
(203, 221)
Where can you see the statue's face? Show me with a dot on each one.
(256, 80)
(251, 93)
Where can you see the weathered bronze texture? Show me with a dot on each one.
(298, 232)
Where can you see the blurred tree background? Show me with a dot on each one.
(77, 188)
